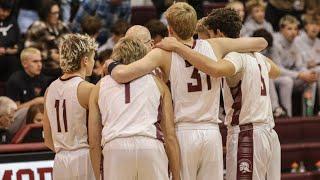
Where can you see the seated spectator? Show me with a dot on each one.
(295, 75)
(108, 11)
(9, 38)
(91, 25)
(7, 109)
(239, 7)
(28, 13)
(201, 30)
(45, 34)
(157, 30)
(26, 87)
(118, 31)
(256, 18)
(277, 109)
(35, 114)
(309, 45)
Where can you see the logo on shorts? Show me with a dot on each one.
(245, 166)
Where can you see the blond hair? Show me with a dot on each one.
(201, 28)
(6, 105)
(27, 51)
(128, 50)
(254, 3)
(183, 19)
(288, 19)
(72, 48)
(230, 5)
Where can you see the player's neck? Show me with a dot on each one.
(188, 42)
(79, 73)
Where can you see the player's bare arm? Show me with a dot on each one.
(155, 58)
(167, 125)
(47, 128)
(222, 46)
(84, 91)
(203, 63)
(274, 69)
(95, 129)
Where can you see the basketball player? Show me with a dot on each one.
(66, 103)
(195, 95)
(132, 116)
(253, 148)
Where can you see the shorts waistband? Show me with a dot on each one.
(196, 126)
(248, 126)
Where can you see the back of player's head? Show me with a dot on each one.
(74, 47)
(182, 18)
(139, 32)
(227, 21)
(156, 27)
(128, 50)
(288, 19)
(265, 34)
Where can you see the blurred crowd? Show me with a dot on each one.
(30, 31)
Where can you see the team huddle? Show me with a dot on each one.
(130, 125)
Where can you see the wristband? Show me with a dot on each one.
(112, 66)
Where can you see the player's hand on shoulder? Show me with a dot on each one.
(168, 44)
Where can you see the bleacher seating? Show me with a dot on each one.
(29, 133)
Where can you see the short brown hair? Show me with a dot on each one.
(156, 27)
(183, 19)
(91, 25)
(310, 20)
(120, 28)
(226, 20)
(128, 50)
(288, 19)
(254, 3)
(33, 111)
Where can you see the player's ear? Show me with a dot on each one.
(85, 60)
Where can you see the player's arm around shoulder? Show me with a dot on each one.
(155, 58)
(223, 46)
(94, 129)
(167, 125)
(83, 93)
(46, 127)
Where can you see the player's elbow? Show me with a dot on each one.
(262, 44)
(119, 76)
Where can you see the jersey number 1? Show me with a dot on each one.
(57, 106)
(263, 86)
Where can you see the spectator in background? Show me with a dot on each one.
(256, 18)
(9, 38)
(237, 6)
(7, 110)
(276, 9)
(26, 87)
(277, 109)
(45, 34)
(309, 45)
(157, 30)
(287, 55)
(201, 30)
(108, 11)
(91, 25)
(35, 114)
(28, 13)
(118, 31)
